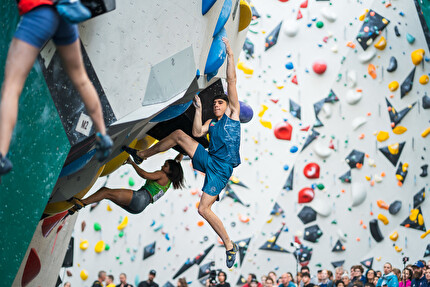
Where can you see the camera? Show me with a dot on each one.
(212, 278)
(405, 259)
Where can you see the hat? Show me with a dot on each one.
(418, 264)
(152, 272)
(254, 280)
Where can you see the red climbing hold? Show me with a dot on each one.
(299, 15)
(50, 223)
(304, 4)
(319, 67)
(312, 170)
(294, 80)
(275, 100)
(306, 195)
(32, 268)
(283, 131)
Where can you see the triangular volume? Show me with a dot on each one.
(336, 264)
(230, 193)
(205, 269)
(241, 281)
(427, 252)
(187, 265)
(271, 243)
(317, 109)
(168, 284)
(149, 250)
(68, 259)
(367, 262)
(312, 233)
(331, 98)
(295, 110)
(401, 172)
(338, 247)
(235, 180)
(419, 197)
(426, 102)
(395, 116)
(415, 220)
(276, 210)
(307, 214)
(372, 26)
(248, 48)
(199, 258)
(49, 223)
(255, 14)
(243, 247)
(407, 84)
(355, 159)
(311, 137)
(346, 177)
(289, 183)
(303, 254)
(393, 152)
(272, 38)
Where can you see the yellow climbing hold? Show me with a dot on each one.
(420, 219)
(424, 79)
(425, 132)
(266, 124)
(405, 167)
(84, 244)
(363, 16)
(414, 214)
(383, 218)
(108, 207)
(398, 130)
(417, 56)
(399, 177)
(246, 70)
(270, 220)
(385, 21)
(425, 234)
(394, 148)
(123, 223)
(245, 15)
(394, 236)
(100, 246)
(381, 44)
(398, 249)
(393, 86)
(263, 110)
(382, 136)
(84, 274)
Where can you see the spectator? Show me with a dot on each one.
(398, 273)
(369, 284)
(298, 278)
(389, 278)
(345, 279)
(269, 282)
(339, 283)
(182, 282)
(358, 274)
(123, 281)
(427, 276)
(370, 275)
(263, 280)
(338, 273)
(306, 279)
(109, 281)
(222, 277)
(150, 281)
(305, 269)
(419, 278)
(254, 283)
(100, 280)
(325, 282)
(319, 276)
(251, 276)
(330, 275)
(286, 280)
(272, 275)
(375, 280)
(357, 283)
(379, 274)
(67, 284)
(406, 277)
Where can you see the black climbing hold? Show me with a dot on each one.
(272, 38)
(395, 116)
(346, 177)
(424, 170)
(307, 214)
(400, 174)
(372, 26)
(289, 183)
(407, 84)
(248, 48)
(354, 158)
(426, 102)
(427, 252)
(392, 66)
(419, 197)
(336, 264)
(375, 231)
(312, 233)
(415, 224)
(393, 158)
(395, 207)
(338, 247)
(295, 110)
(367, 263)
(149, 250)
(396, 30)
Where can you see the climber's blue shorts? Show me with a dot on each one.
(217, 172)
(43, 23)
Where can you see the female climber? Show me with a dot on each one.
(223, 155)
(39, 23)
(156, 185)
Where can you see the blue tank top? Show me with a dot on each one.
(224, 140)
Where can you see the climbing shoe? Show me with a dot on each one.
(133, 152)
(231, 255)
(73, 11)
(103, 147)
(5, 165)
(77, 205)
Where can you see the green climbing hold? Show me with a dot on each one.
(320, 186)
(121, 233)
(107, 247)
(131, 181)
(97, 226)
(320, 24)
(334, 222)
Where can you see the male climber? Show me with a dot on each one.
(223, 155)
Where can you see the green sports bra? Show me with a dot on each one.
(156, 190)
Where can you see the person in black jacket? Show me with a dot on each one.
(150, 282)
(100, 280)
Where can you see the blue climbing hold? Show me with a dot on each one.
(294, 149)
(77, 164)
(246, 113)
(289, 66)
(223, 16)
(171, 112)
(217, 54)
(207, 5)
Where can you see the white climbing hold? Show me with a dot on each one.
(342, 235)
(358, 122)
(321, 207)
(290, 28)
(367, 56)
(328, 14)
(334, 49)
(353, 96)
(321, 150)
(358, 192)
(351, 79)
(326, 108)
(377, 178)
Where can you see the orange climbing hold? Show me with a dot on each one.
(200, 223)
(371, 69)
(382, 204)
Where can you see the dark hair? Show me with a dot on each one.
(359, 267)
(304, 267)
(411, 272)
(175, 174)
(339, 282)
(306, 274)
(253, 275)
(221, 96)
(101, 273)
(270, 278)
(111, 277)
(222, 272)
(357, 283)
(369, 284)
(183, 282)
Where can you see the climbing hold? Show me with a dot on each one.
(366, 56)
(319, 24)
(328, 14)
(312, 233)
(358, 122)
(415, 220)
(245, 15)
(100, 246)
(263, 110)
(246, 70)
(394, 236)
(131, 181)
(396, 117)
(407, 84)
(382, 204)
(84, 244)
(217, 54)
(425, 132)
(355, 159)
(353, 96)
(424, 170)
(97, 226)
(373, 25)
(312, 170)
(248, 48)
(289, 66)
(398, 249)
(424, 236)
(381, 44)
(107, 247)
(410, 38)
(393, 152)
(398, 130)
(306, 195)
(299, 15)
(346, 177)
(392, 66)
(395, 207)
(246, 112)
(402, 171)
(83, 225)
(419, 197)
(272, 38)
(123, 224)
(307, 215)
(200, 223)
(424, 79)
(283, 131)
(358, 193)
(223, 16)
(338, 247)
(266, 124)
(32, 267)
(304, 4)
(322, 150)
(375, 231)
(108, 207)
(319, 67)
(207, 5)
(371, 70)
(84, 274)
(382, 136)
(294, 149)
(393, 86)
(244, 218)
(290, 28)
(383, 218)
(149, 250)
(351, 79)
(321, 207)
(417, 56)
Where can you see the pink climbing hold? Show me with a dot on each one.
(306, 195)
(312, 170)
(319, 67)
(32, 268)
(304, 4)
(283, 131)
(299, 15)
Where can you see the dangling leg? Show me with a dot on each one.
(121, 197)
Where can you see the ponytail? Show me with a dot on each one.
(176, 174)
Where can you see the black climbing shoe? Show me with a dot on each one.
(77, 205)
(103, 147)
(231, 255)
(133, 152)
(5, 165)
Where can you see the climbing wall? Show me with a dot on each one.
(329, 193)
